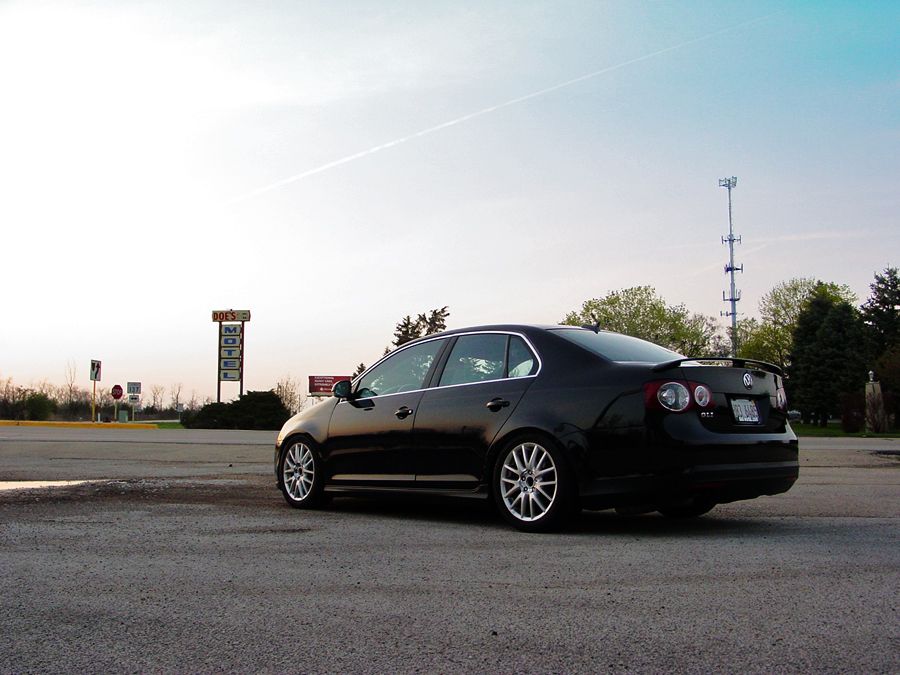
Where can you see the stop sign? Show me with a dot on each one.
(116, 391)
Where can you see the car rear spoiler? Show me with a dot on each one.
(737, 363)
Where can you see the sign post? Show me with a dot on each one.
(232, 341)
(95, 378)
(135, 401)
(133, 389)
(116, 393)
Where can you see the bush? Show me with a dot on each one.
(211, 416)
(262, 410)
(39, 406)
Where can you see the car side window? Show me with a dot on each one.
(404, 371)
(521, 359)
(475, 358)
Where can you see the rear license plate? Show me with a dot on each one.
(745, 411)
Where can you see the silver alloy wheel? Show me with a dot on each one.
(528, 482)
(299, 471)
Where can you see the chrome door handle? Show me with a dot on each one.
(404, 412)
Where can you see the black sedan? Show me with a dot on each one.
(546, 420)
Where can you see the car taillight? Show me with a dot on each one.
(702, 395)
(676, 396)
(781, 399)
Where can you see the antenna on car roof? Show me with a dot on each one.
(595, 327)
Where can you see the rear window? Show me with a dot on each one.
(617, 347)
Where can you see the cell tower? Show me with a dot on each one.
(731, 268)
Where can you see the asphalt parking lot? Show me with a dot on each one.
(183, 557)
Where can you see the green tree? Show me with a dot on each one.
(779, 311)
(640, 312)
(801, 383)
(881, 314)
(758, 341)
(826, 364)
(435, 321)
(888, 370)
(360, 369)
(409, 329)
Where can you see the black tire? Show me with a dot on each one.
(300, 474)
(692, 509)
(532, 485)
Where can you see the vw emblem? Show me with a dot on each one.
(748, 380)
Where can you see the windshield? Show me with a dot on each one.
(617, 347)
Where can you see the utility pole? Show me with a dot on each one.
(731, 268)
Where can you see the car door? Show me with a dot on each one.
(481, 383)
(370, 434)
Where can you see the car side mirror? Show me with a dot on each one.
(342, 389)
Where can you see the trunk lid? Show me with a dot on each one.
(744, 395)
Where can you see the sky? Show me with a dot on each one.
(335, 166)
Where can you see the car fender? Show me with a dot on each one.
(312, 423)
(573, 442)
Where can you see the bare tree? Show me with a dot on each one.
(288, 390)
(157, 394)
(71, 388)
(193, 404)
(104, 398)
(12, 394)
(310, 401)
(175, 391)
(46, 388)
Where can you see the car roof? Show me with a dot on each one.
(500, 327)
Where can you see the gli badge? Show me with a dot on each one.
(748, 380)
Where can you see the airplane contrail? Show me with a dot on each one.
(484, 111)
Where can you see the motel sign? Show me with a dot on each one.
(230, 347)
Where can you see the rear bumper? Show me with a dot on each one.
(716, 482)
(677, 457)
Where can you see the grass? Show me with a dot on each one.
(169, 425)
(835, 431)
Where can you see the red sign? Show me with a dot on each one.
(320, 385)
(116, 392)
